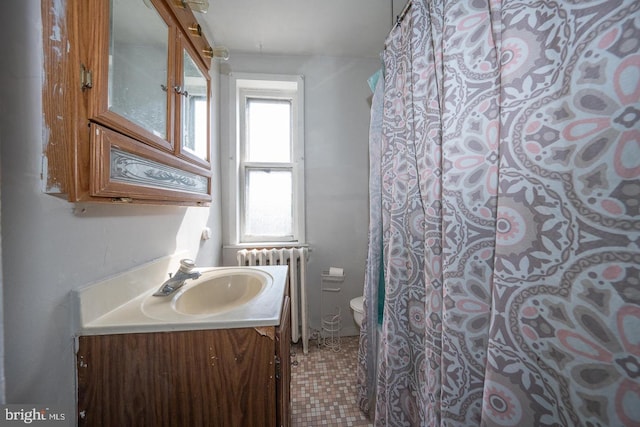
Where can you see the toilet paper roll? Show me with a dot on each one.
(336, 271)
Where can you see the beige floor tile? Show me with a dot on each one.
(323, 386)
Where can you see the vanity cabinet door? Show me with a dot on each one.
(208, 378)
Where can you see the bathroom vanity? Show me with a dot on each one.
(217, 377)
(226, 368)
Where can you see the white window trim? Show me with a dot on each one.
(245, 82)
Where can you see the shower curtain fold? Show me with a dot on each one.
(369, 331)
(507, 172)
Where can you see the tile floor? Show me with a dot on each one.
(323, 386)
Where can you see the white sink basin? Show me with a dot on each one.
(214, 292)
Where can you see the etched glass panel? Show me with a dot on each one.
(132, 169)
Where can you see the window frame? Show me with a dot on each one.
(244, 86)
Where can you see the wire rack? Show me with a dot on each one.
(331, 322)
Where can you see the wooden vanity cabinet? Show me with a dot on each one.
(283, 368)
(219, 377)
(126, 102)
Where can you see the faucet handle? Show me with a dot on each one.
(186, 265)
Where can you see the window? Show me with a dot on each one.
(268, 180)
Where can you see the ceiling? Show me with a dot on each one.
(301, 27)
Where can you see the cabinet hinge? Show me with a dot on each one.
(278, 369)
(86, 77)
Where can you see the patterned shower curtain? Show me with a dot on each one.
(509, 166)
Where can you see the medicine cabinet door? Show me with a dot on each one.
(194, 108)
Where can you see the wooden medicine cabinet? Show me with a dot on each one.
(126, 101)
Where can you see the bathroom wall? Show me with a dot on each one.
(337, 106)
(50, 246)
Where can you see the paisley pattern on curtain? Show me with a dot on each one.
(510, 171)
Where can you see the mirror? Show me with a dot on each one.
(138, 58)
(195, 108)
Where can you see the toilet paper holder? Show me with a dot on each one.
(331, 322)
(333, 274)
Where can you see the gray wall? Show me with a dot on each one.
(50, 246)
(337, 108)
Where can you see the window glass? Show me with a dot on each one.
(268, 130)
(268, 202)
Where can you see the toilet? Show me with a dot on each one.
(357, 305)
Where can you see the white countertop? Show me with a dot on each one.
(115, 305)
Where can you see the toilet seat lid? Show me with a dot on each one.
(357, 304)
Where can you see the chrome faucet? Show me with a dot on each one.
(178, 280)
